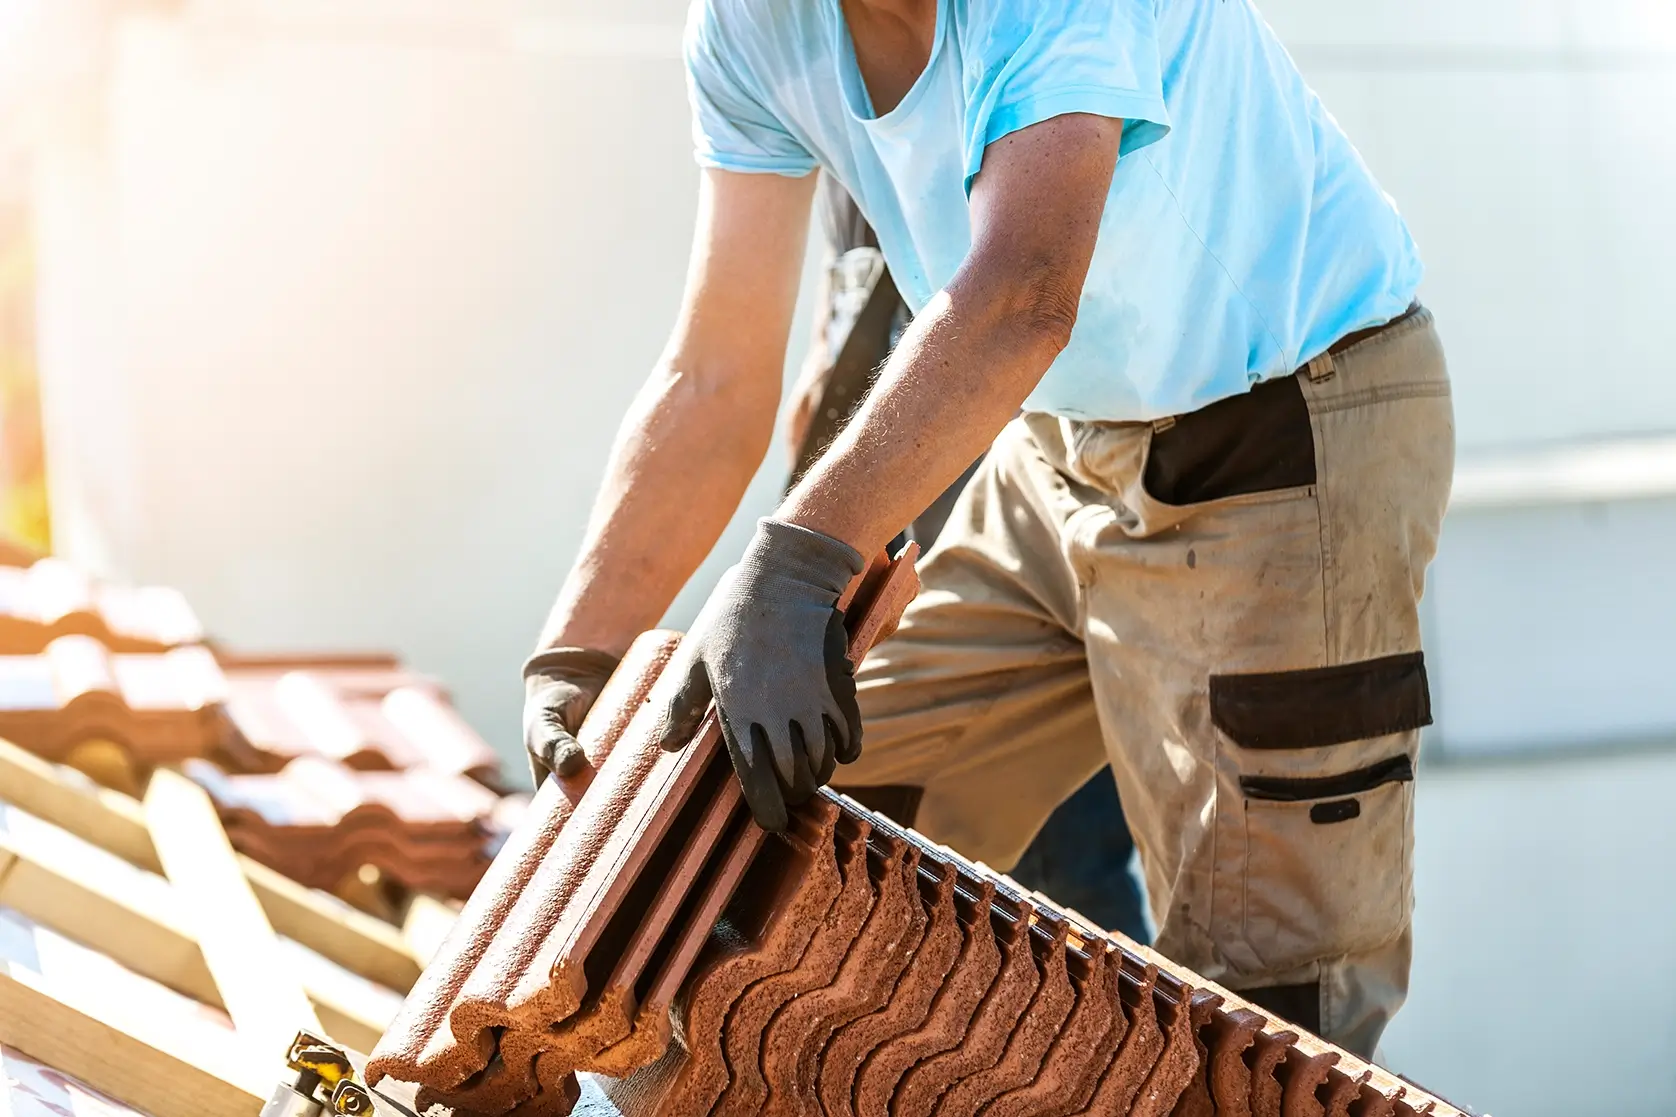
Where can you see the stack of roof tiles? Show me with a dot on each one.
(157, 706)
(318, 822)
(354, 761)
(638, 925)
(367, 713)
(342, 761)
(51, 598)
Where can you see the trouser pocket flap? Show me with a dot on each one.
(1323, 705)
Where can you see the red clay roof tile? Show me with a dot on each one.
(364, 716)
(160, 707)
(907, 1004)
(950, 1017)
(805, 957)
(51, 598)
(849, 967)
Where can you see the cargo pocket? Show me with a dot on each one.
(1326, 866)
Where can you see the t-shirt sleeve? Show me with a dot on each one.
(1027, 62)
(733, 129)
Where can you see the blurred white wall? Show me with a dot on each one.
(341, 303)
(1528, 143)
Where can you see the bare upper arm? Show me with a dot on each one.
(742, 278)
(1036, 207)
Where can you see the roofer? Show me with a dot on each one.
(1081, 855)
(1197, 553)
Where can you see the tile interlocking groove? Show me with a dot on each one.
(801, 972)
(638, 925)
(906, 1005)
(986, 1036)
(866, 973)
(950, 1015)
(1135, 1057)
(1030, 1037)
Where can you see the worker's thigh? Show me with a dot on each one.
(977, 715)
(1255, 655)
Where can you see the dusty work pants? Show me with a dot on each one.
(1224, 607)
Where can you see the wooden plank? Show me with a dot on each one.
(71, 801)
(30, 1088)
(80, 1013)
(353, 1010)
(118, 909)
(132, 916)
(262, 995)
(425, 923)
(358, 942)
(64, 797)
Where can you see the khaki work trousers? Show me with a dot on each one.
(1249, 665)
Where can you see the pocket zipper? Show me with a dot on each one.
(1283, 789)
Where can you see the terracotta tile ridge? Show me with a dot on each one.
(787, 1036)
(908, 1004)
(1138, 1053)
(970, 978)
(652, 1029)
(1231, 1034)
(608, 1014)
(875, 966)
(423, 1042)
(1268, 1049)
(805, 960)
(1071, 1067)
(992, 1022)
(1034, 1033)
(686, 939)
(554, 987)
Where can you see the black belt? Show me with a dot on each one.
(1356, 337)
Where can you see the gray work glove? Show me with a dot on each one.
(770, 647)
(560, 686)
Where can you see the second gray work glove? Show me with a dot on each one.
(770, 647)
(560, 686)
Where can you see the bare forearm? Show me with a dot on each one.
(975, 353)
(955, 380)
(685, 453)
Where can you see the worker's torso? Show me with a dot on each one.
(1243, 234)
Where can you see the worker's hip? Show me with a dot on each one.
(1241, 589)
(1278, 438)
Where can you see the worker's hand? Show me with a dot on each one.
(560, 686)
(770, 648)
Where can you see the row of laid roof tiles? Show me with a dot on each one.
(640, 926)
(318, 821)
(341, 760)
(254, 715)
(52, 598)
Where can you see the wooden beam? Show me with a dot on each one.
(168, 1060)
(425, 923)
(95, 897)
(68, 799)
(115, 822)
(133, 917)
(358, 942)
(262, 995)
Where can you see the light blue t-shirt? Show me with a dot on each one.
(1243, 234)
